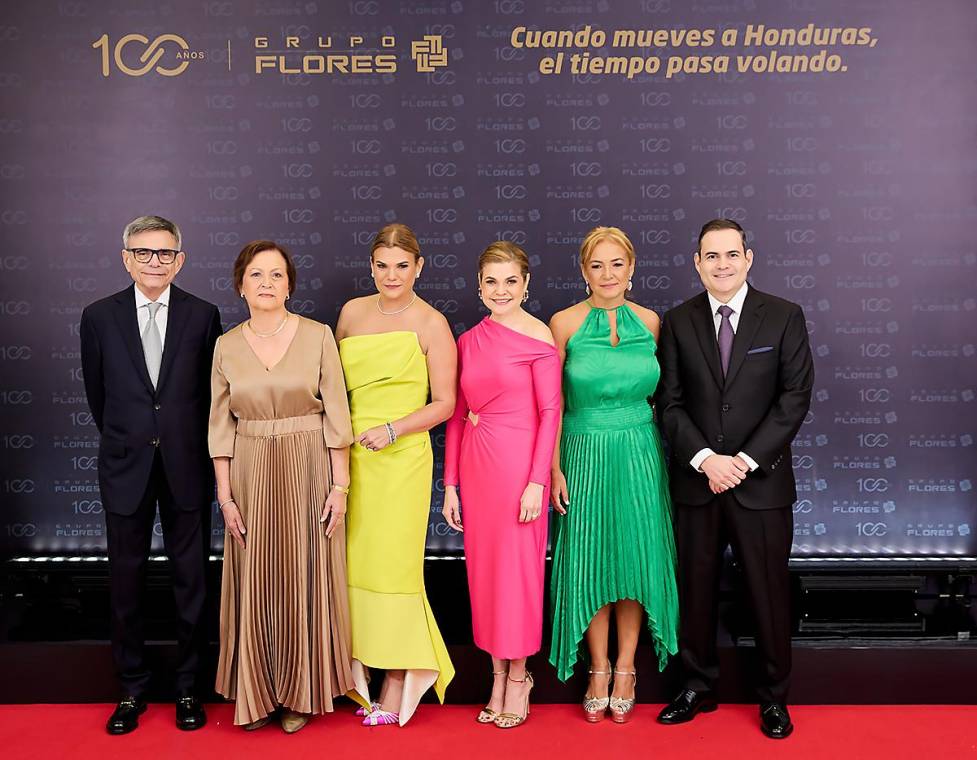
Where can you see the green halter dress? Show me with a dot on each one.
(615, 542)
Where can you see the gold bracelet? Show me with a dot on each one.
(343, 489)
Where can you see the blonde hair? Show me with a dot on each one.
(502, 252)
(599, 235)
(397, 236)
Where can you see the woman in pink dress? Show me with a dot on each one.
(499, 448)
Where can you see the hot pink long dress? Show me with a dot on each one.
(512, 383)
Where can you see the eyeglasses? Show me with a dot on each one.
(145, 255)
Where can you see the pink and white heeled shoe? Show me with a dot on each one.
(381, 718)
(362, 711)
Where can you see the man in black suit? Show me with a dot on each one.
(736, 386)
(146, 354)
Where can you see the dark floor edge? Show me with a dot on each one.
(825, 672)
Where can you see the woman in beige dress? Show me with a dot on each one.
(279, 437)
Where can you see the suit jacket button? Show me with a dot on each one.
(156, 407)
(725, 407)
(719, 438)
(155, 441)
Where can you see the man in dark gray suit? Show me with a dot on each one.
(146, 354)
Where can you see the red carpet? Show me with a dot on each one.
(553, 731)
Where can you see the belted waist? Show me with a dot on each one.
(283, 426)
(603, 418)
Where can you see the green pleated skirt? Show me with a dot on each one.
(616, 541)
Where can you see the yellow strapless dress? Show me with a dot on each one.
(393, 626)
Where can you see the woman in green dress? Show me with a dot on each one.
(614, 551)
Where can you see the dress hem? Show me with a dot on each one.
(662, 650)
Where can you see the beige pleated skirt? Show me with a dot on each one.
(284, 622)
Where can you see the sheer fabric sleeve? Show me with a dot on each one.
(223, 426)
(337, 430)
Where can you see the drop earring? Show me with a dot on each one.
(525, 296)
(587, 288)
(630, 284)
(479, 292)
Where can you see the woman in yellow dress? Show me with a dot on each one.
(396, 351)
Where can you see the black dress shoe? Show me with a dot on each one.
(190, 714)
(686, 705)
(775, 721)
(126, 716)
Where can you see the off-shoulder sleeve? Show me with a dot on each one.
(547, 385)
(454, 429)
(220, 434)
(337, 430)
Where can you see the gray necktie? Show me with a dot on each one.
(152, 344)
(725, 337)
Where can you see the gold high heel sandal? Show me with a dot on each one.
(488, 715)
(511, 720)
(595, 707)
(622, 709)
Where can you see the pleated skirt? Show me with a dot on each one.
(616, 540)
(284, 621)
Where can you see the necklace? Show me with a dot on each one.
(273, 332)
(398, 311)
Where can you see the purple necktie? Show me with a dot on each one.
(725, 337)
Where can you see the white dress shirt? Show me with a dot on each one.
(736, 304)
(142, 313)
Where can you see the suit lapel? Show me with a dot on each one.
(705, 331)
(125, 315)
(746, 329)
(176, 320)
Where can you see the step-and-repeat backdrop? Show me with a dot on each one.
(841, 134)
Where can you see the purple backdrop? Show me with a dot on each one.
(858, 187)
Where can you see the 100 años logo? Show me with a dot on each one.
(428, 53)
(151, 55)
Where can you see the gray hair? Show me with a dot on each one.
(149, 224)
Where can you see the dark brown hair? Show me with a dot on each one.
(715, 225)
(397, 236)
(251, 250)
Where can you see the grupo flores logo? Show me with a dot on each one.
(169, 55)
(429, 53)
(320, 57)
(151, 56)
